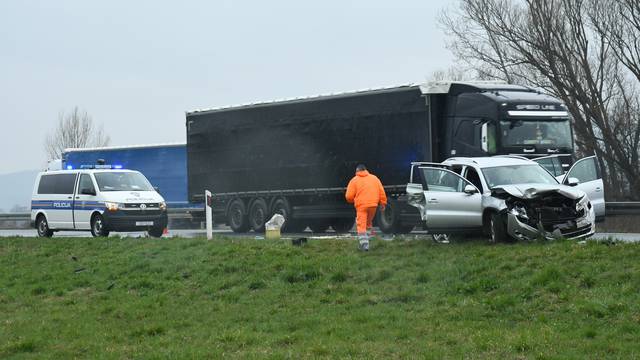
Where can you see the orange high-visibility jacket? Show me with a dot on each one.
(365, 190)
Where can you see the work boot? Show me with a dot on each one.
(363, 241)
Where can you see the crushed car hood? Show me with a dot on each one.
(532, 191)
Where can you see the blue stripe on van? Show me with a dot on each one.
(66, 205)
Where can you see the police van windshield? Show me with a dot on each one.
(122, 181)
(536, 132)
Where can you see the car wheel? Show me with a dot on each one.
(98, 228)
(156, 232)
(237, 216)
(43, 227)
(258, 215)
(342, 225)
(497, 229)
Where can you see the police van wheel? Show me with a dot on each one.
(43, 227)
(98, 227)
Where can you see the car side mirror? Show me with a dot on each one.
(88, 192)
(157, 189)
(470, 189)
(573, 181)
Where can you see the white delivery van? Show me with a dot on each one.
(96, 200)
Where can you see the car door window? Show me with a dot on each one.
(86, 185)
(441, 180)
(474, 178)
(584, 170)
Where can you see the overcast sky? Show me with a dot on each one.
(137, 66)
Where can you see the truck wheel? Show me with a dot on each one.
(497, 229)
(319, 226)
(98, 228)
(258, 215)
(43, 227)
(342, 225)
(155, 232)
(389, 219)
(237, 216)
(281, 206)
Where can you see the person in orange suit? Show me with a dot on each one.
(365, 192)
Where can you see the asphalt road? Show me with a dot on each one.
(624, 237)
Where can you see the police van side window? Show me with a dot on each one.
(57, 184)
(86, 185)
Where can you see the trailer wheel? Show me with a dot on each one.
(283, 207)
(389, 220)
(342, 225)
(258, 215)
(237, 216)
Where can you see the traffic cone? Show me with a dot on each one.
(165, 231)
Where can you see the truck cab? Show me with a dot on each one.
(492, 118)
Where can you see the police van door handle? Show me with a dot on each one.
(70, 197)
(433, 201)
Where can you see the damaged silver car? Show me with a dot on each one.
(504, 197)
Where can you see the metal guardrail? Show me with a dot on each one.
(15, 217)
(623, 207)
(613, 208)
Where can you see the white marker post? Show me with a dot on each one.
(208, 214)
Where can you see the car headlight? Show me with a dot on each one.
(583, 205)
(520, 212)
(112, 206)
(163, 206)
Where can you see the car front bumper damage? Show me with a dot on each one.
(580, 228)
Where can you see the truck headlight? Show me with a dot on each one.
(111, 206)
(162, 206)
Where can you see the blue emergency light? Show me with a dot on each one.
(99, 166)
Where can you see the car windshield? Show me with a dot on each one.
(531, 132)
(517, 174)
(122, 181)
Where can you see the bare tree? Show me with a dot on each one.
(74, 130)
(585, 52)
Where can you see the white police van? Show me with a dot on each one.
(99, 199)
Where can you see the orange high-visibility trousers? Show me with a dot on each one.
(364, 219)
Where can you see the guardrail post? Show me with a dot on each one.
(208, 214)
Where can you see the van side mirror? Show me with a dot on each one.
(470, 189)
(157, 189)
(573, 181)
(88, 192)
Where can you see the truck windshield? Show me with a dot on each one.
(122, 181)
(517, 174)
(536, 132)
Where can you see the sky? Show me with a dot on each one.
(137, 66)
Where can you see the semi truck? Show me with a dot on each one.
(295, 156)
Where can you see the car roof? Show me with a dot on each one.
(490, 161)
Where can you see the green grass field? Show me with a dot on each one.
(245, 298)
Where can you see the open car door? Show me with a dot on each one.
(447, 202)
(586, 173)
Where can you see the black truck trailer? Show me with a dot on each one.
(296, 156)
